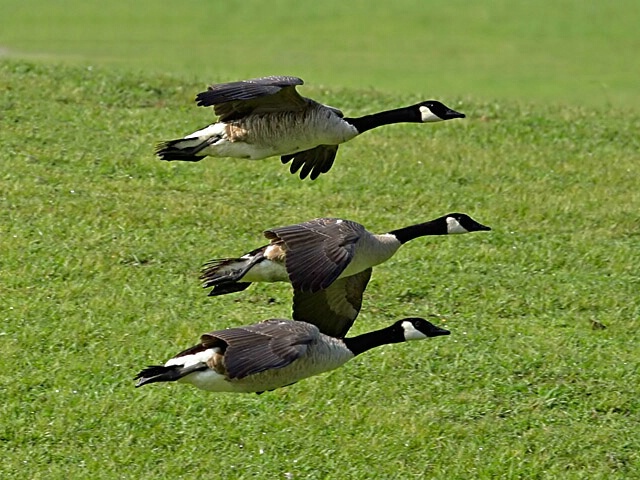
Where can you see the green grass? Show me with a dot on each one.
(100, 256)
(101, 243)
(561, 51)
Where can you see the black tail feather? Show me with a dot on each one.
(225, 288)
(160, 373)
(211, 276)
(228, 283)
(171, 151)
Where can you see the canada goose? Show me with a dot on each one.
(266, 117)
(314, 254)
(273, 354)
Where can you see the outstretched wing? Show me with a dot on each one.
(245, 89)
(235, 100)
(314, 161)
(318, 251)
(263, 346)
(334, 309)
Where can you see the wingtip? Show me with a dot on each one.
(200, 99)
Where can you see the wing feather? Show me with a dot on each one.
(334, 309)
(263, 346)
(312, 162)
(245, 89)
(234, 100)
(318, 251)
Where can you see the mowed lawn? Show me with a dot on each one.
(562, 51)
(102, 244)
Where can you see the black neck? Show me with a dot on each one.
(399, 115)
(370, 340)
(434, 227)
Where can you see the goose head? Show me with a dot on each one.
(434, 111)
(463, 223)
(414, 328)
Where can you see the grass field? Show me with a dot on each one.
(561, 51)
(102, 245)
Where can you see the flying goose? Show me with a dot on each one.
(266, 117)
(273, 354)
(314, 254)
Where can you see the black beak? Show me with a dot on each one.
(453, 114)
(438, 331)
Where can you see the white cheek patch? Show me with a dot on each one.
(411, 332)
(453, 226)
(428, 115)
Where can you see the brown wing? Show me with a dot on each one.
(335, 309)
(318, 251)
(234, 100)
(245, 89)
(263, 346)
(315, 161)
(201, 347)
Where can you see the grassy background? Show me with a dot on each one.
(102, 243)
(561, 50)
